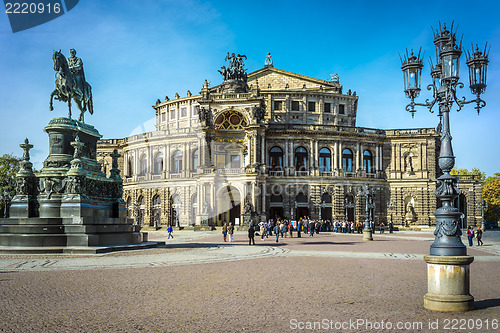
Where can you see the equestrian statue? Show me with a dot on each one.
(71, 84)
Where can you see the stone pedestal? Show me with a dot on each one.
(70, 202)
(448, 283)
(246, 219)
(367, 235)
(204, 219)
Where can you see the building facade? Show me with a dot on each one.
(278, 144)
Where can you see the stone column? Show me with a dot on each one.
(357, 167)
(263, 194)
(263, 149)
(167, 161)
(340, 156)
(335, 158)
(164, 171)
(187, 166)
(286, 158)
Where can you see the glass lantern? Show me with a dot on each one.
(477, 64)
(412, 68)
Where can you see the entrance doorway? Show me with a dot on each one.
(326, 207)
(276, 212)
(228, 205)
(349, 207)
(302, 212)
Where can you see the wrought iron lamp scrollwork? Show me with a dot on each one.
(445, 81)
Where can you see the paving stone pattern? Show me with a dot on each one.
(202, 285)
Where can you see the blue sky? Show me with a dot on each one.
(135, 52)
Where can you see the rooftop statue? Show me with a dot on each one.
(269, 61)
(71, 83)
(236, 70)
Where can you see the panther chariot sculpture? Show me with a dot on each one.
(71, 84)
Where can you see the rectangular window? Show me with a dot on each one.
(196, 110)
(278, 105)
(295, 106)
(328, 107)
(311, 106)
(183, 112)
(172, 114)
(341, 109)
(235, 161)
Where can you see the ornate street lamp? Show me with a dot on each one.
(445, 80)
(367, 230)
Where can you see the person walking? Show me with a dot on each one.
(251, 234)
(299, 226)
(224, 231)
(290, 229)
(170, 230)
(470, 235)
(277, 231)
(230, 231)
(479, 236)
(263, 229)
(311, 229)
(382, 227)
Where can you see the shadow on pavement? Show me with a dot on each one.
(487, 303)
(188, 245)
(331, 243)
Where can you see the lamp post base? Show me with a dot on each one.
(448, 283)
(367, 235)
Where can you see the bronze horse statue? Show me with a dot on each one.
(67, 87)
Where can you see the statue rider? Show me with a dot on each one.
(75, 65)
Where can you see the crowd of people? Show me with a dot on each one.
(305, 226)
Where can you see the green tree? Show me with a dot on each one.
(491, 194)
(473, 171)
(9, 166)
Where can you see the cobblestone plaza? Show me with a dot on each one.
(197, 283)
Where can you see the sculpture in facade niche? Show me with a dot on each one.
(71, 83)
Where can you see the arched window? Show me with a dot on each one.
(194, 208)
(130, 208)
(195, 160)
(367, 161)
(158, 164)
(130, 167)
(157, 211)
(143, 165)
(230, 120)
(301, 159)
(277, 198)
(301, 197)
(347, 160)
(142, 211)
(276, 158)
(176, 210)
(177, 162)
(325, 160)
(326, 198)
